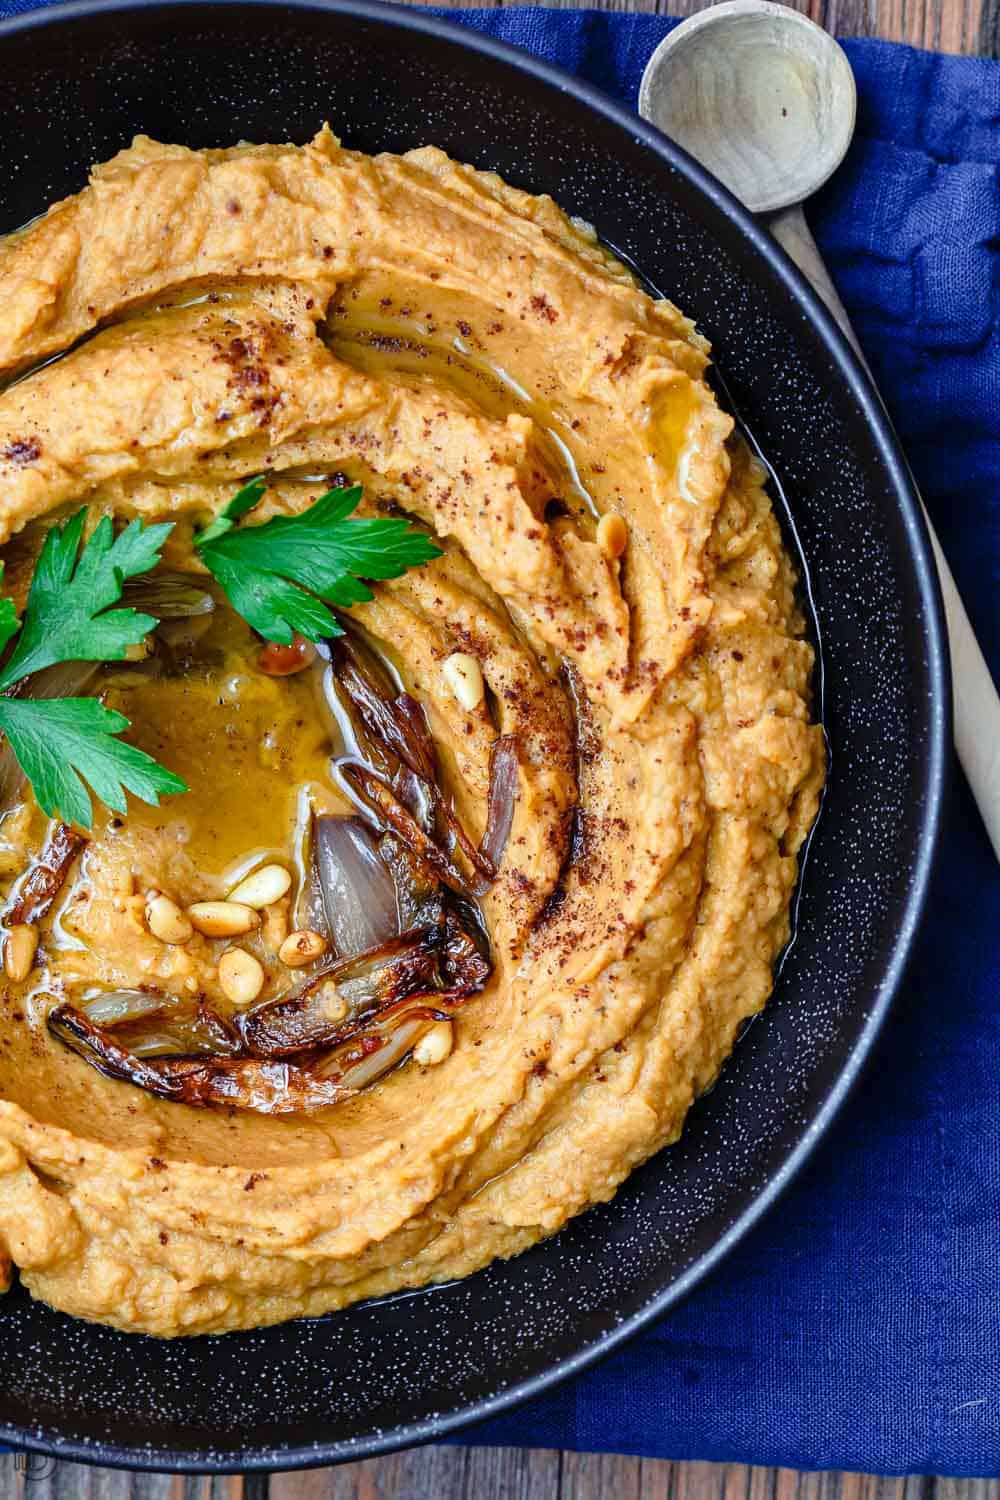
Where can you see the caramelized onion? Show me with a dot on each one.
(503, 796)
(359, 897)
(157, 1025)
(389, 813)
(38, 890)
(369, 982)
(465, 951)
(418, 894)
(384, 1044)
(168, 595)
(266, 1087)
(121, 1005)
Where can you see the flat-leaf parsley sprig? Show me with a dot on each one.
(278, 574)
(60, 743)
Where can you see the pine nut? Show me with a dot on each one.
(262, 887)
(464, 677)
(435, 1045)
(332, 1003)
(241, 976)
(612, 535)
(19, 951)
(165, 919)
(302, 947)
(222, 918)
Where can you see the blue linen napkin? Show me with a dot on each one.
(859, 1326)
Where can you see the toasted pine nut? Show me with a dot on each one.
(612, 535)
(165, 919)
(262, 886)
(19, 951)
(464, 677)
(241, 976)
(302, 947)
(332, 1003)
(222, 918)
(435, 1045)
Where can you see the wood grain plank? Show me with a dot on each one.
(599, 1476)
(409, 1475)
(33, 1477)
(989, 29)
(966, 1489)
(941, 25)
(438, 1473)
(513, 1473)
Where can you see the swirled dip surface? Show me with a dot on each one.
(471, 356)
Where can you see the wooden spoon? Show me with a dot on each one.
(765, 99)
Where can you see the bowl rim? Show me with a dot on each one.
(848, 370)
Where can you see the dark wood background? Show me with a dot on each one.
(971, 26)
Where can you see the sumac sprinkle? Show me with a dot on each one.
(23, 452)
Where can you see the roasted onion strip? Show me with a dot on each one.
(370, 1054)
(398, 724)
(39, 888)
(264, 1087)
(300, 1021)
(271, 1086)
(502, 799)
(389, 813)
(149, 1024)
(356, 887)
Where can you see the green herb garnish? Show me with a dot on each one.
(61, 742)
(277, 575)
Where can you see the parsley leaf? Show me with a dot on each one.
(245, 499)
(67, 617)
(9, 623)
(277, 574)
(60, 740)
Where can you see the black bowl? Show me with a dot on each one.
(75, 83)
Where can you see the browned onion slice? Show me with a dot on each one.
(465, 952)
(359, 897)
(401, 730)
(503, 797)
(168, 595)
(389, 812)
(263, 1086)
(384, 1044)
(148, 1024)
(347, 727)
(419, 899)
(34, 897)
(117, 1006)
(368, 982)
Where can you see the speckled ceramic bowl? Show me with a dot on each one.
(400, 1371)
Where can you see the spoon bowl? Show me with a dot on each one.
(759, 94)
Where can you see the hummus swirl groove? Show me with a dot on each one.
(472, 357)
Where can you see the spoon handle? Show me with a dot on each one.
(977, 706)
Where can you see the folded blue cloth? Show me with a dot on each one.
(859, 1326)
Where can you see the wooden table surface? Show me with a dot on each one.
(971, 26)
